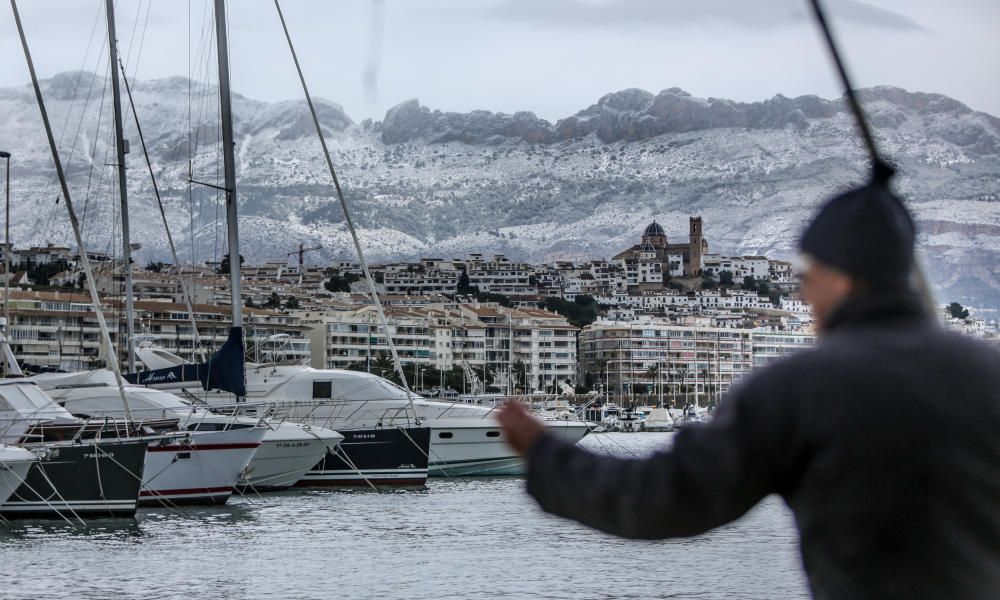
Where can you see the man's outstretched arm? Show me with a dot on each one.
(712, 475)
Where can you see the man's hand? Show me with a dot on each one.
(521, 429)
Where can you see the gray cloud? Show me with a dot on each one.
(761, 14)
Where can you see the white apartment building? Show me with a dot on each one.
(421, 280)
(651, 357)
(770, 344)
(757, 267)
(697, 360)
(339, 339)
(501, 276)
(486, 337)
(59, 329)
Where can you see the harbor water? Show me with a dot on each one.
(456, 538)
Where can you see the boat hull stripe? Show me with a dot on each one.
(203, 447)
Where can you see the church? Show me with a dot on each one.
(654, 256)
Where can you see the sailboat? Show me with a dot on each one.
(393, 454)
(463, 439)
(281, 453)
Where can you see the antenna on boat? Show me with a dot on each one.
(347, 214)
(84, 260)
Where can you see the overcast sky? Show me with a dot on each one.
(553, 57)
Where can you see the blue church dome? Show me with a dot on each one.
(654, 229)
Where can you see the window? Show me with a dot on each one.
(492, 434)
(446, 435)
(322, 389)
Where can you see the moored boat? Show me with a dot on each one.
(14, 465)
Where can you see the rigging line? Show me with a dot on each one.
(135, 25)
(880, 169)
(76, 135)
(45, 476)
(142, 41)
(83, 65)
(203, 62)
(45, 501)
(164, 501)
(74, 222)
(347, 215)
(163, 215)
(69, 113)
(93, 153)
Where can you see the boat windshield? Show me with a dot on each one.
(28, 400)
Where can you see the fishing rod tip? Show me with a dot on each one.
(882, 171)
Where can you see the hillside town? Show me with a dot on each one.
(662, 317)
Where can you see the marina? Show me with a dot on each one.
(417, 543)
(404, 416)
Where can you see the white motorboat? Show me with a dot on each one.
(465, 439)
(14, 465)
(236, 451)
(656, 419)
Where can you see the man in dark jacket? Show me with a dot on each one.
(884, 439)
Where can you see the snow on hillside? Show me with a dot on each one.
(424, 182)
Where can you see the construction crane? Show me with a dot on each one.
(301, 252)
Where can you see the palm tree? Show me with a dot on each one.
(382, 364)
(651, 374)
(520, 370)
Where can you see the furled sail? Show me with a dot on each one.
(223, 370)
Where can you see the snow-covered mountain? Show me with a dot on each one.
(424, 182)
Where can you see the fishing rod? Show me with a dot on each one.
(881, 170)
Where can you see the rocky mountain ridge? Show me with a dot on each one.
(426, 182)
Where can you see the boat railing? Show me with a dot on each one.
(299, 409)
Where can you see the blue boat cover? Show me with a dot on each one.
(223, 371)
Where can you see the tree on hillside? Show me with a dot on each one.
(465, 288)
(224, 265)
(581, 312)
(273, 301)
(749, 284)
(491, 297)
(957, 311)
(341, 283)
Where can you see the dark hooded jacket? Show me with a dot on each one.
(884, 440)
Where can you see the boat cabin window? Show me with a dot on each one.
(323, 389)
(492, 434)
(445, 434)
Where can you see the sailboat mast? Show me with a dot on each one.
(109, 9)
(229, 161)
(74, 222)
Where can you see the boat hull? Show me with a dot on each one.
(201, 469)
(394, 457)
(91, 480)
(286, 455)
(14, 466)
(463, 447)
